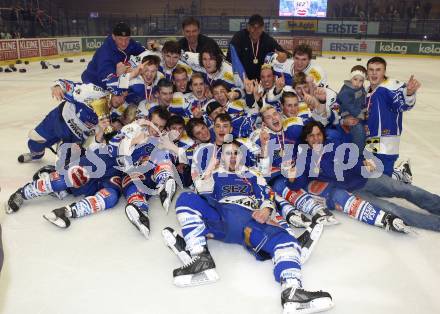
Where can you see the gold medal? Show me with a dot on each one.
(281, 153)
(255, 51)
(316, 170)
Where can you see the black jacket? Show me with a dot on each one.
(243, 46)
(201, 41)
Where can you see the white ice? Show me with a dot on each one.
(102, 264)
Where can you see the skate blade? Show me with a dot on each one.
(170, 188)
(327, 221)
(145, 232)
(410, 231)
(299, 223)
(314, 306)
(170, 242)
(315, 235)
(133, 216)
(202, 278)
(8, 210)
(55, 220)
(166, 205)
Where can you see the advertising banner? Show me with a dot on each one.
(92, 43)
(238, 24)
(222, 42)
(48, 47)
(299, 25)
(69, 45)
(314, 42)
(28, 48)
(348, 27)
(405, 47)
(348, 45)
(285, 42)
(8, 50)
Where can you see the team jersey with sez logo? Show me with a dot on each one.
(245, 188)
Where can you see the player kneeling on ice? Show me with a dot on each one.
(233, 206)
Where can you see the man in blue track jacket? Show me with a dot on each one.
(116, 49)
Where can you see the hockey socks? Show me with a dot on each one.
(308, 204)
(37, 188)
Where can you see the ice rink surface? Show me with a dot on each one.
(102, 264)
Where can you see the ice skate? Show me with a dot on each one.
(166, 193)
(139, 219)
(298, 220)
(405, 173)
(24, 158)
(394, 223)
(14, 203)
(300, 301)
(59, 217)
(325, 217)
(200, 270)
(176, 244)
(308, 240)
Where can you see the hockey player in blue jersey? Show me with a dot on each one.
(197, 99)
(387, 99)
(116, 49)
(180, 79)
(273, 152)
(328, 171)
(141, 81)
(101, 193)
(292, 123)
(243, 124)
(93, 175)
(192, 104)
(233, 206)
(163, 98)
(149, 169)
(364, 179)
(74, 119)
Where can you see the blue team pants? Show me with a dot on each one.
(200, 217)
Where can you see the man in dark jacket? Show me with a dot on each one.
(252, 45)
(193, 41)
(117, 48)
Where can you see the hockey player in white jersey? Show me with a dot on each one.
(75, 118)
(211, 63)
(170, 59)
(387, 99)
(301, 62)
(141, 81)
